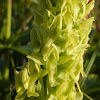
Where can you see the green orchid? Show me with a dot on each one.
(59, 36)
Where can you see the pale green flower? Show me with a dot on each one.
(59, 37)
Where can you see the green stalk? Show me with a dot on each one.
(88, 68)
(6, 67)
(9, 6)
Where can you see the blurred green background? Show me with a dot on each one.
(17, 15)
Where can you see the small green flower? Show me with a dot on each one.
(59, 36)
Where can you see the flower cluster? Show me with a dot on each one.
(59, 37)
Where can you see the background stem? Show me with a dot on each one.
(6, 67)
(9, 12)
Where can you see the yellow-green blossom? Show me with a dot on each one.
(59, 36)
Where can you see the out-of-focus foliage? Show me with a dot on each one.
(12, 51)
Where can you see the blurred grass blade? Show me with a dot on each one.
(27, 48)
(20, 50)
(88, 68)
(22, 36)
(91, 62)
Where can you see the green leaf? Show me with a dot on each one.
(20, 50)
(88, 68)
